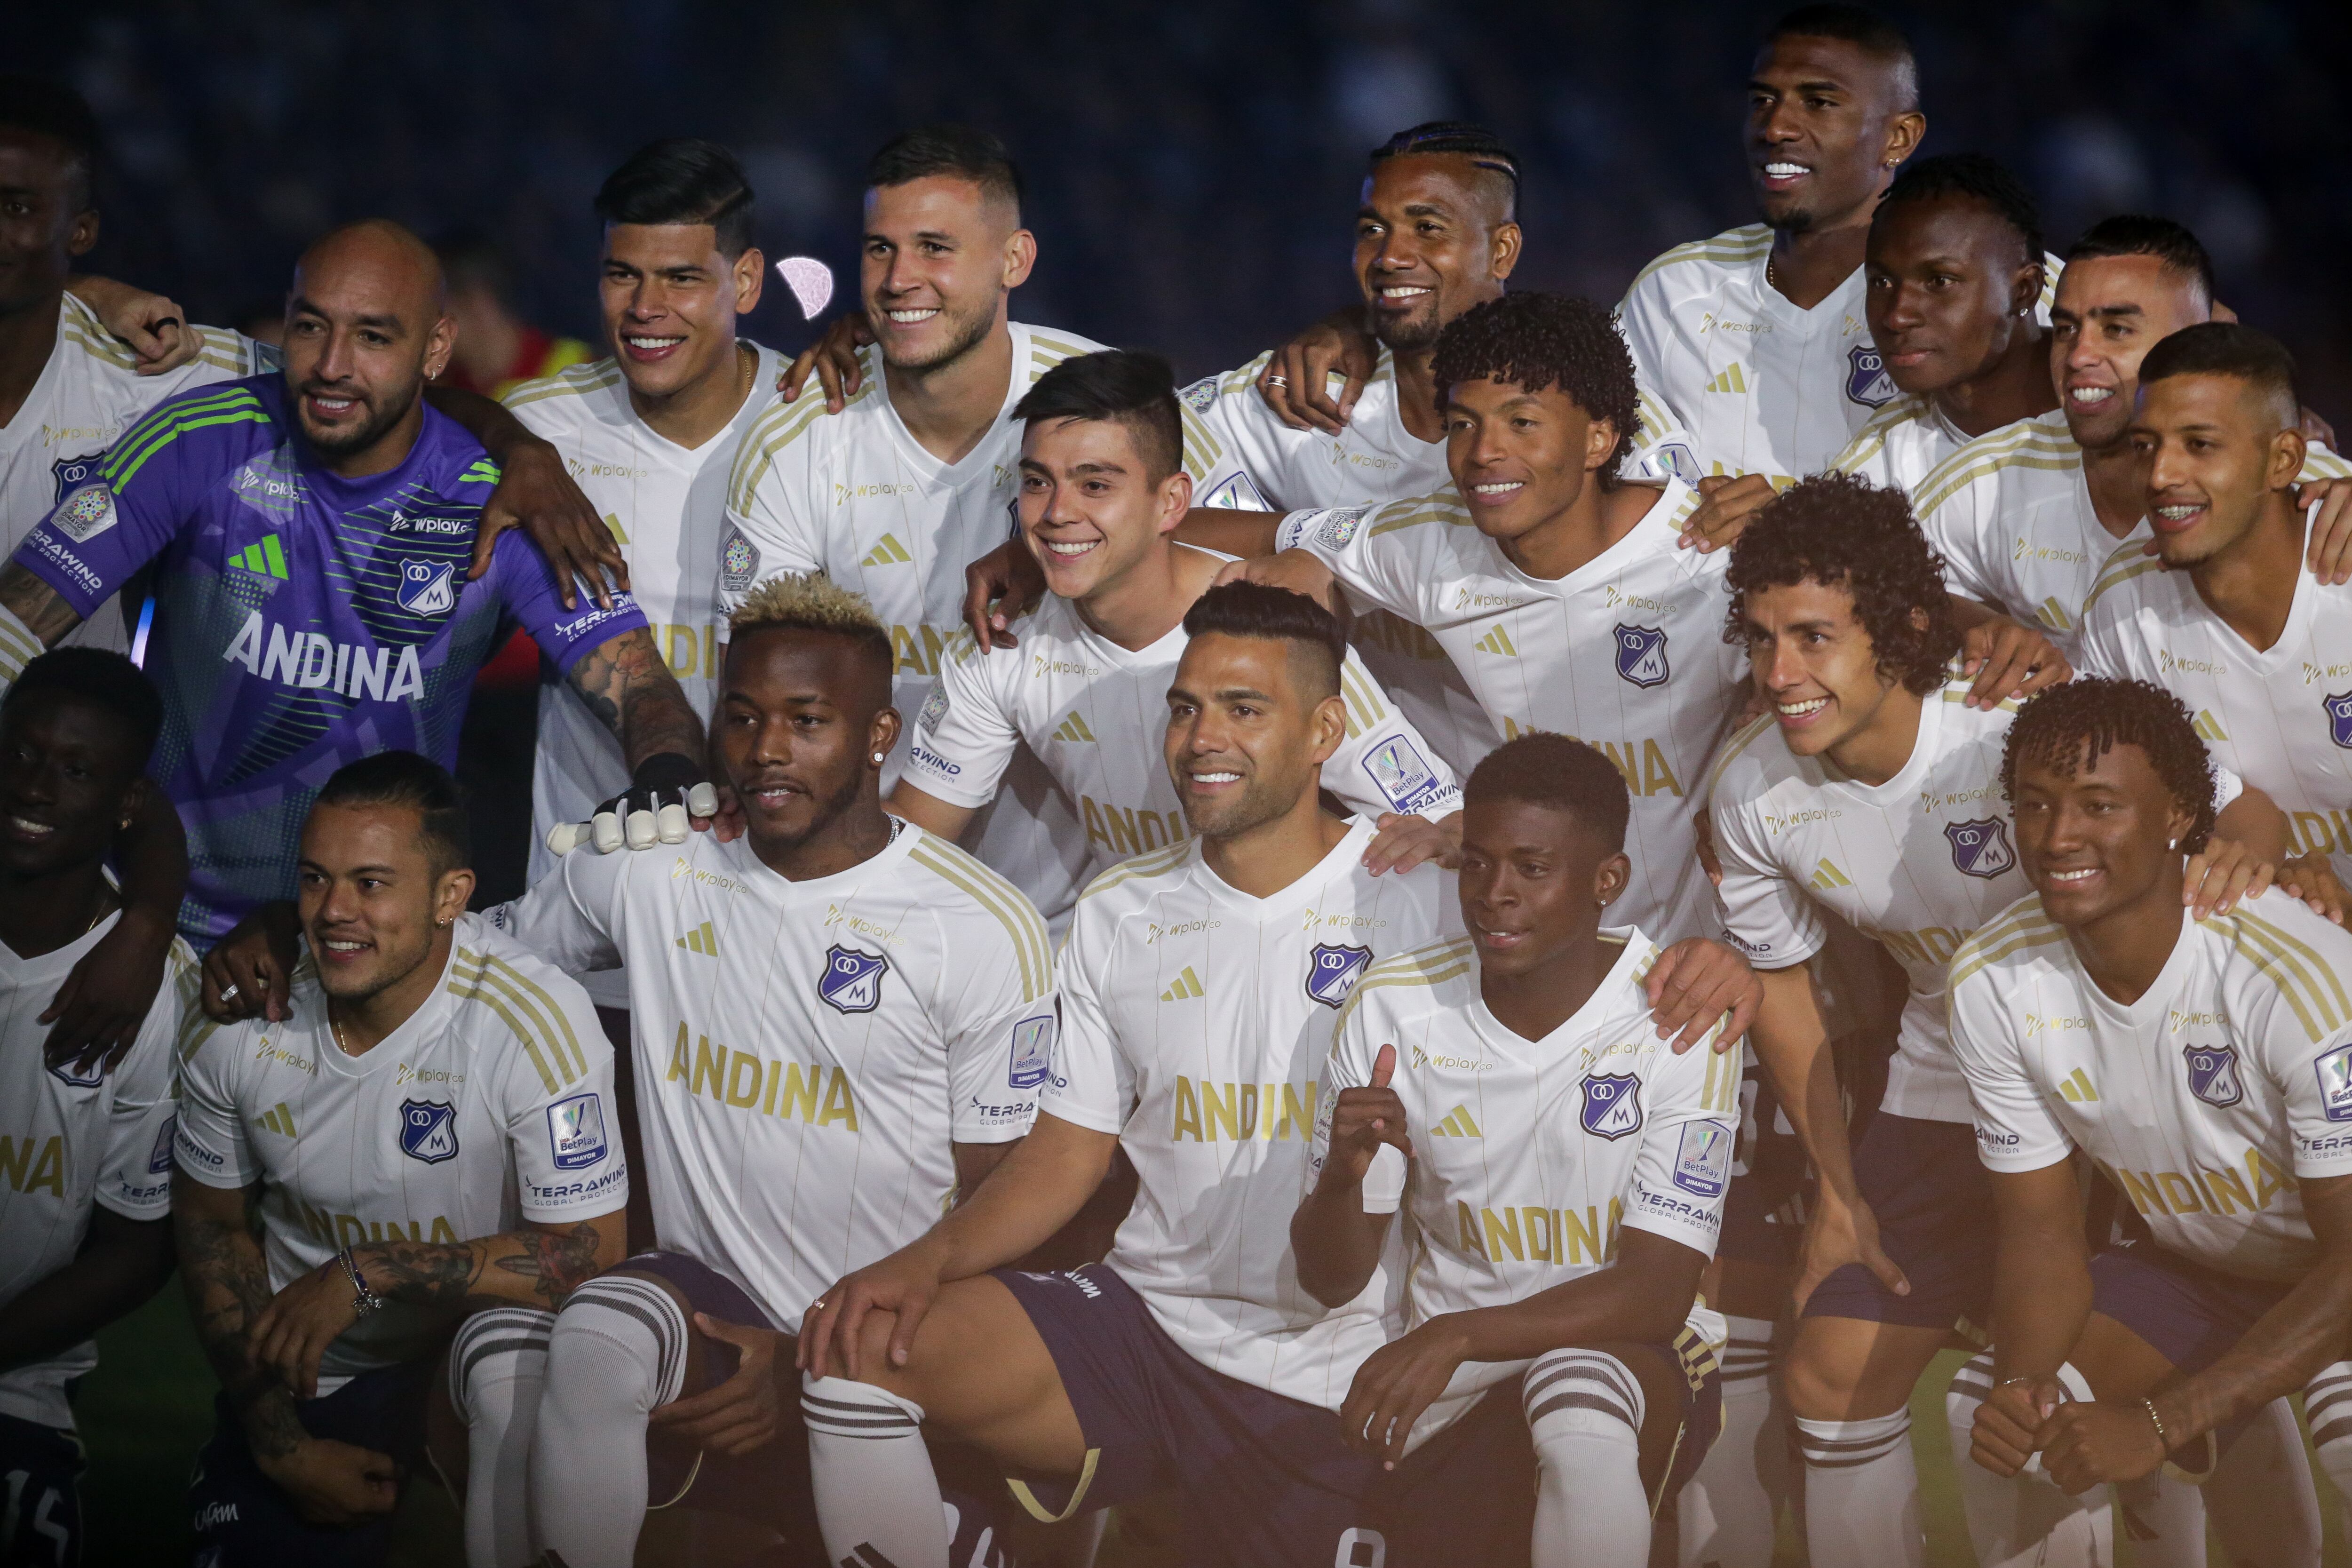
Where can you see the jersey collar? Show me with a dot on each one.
(1635, 950)
(1342, 861)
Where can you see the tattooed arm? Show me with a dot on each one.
(537, 1266)
(625, 682)
(40, 609)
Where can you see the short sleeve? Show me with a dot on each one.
(1765, 913)
(1376, 568)
(2016, 1128)
(1647, 324)
(105, 529)
(1684, 1168)
(564, 1129)
(1093, 1085)
(1384, 765)
(1663, 450)
(136, 1180)
(1000, 1038)
(528, 590)
(964, 737)
(768, 530)
(1954, 525)
(572, 917)
(2099, 649)
(208, 1143)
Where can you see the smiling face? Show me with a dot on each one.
(1827, 123)
(2109, 311)
(1089, 508)
(45, 218)
(1247, 733)
(1534, 882)
(1949, 284)
(1434, 236)
(366, 327)
(2217, 452)
(1520, 458)
(371, 898)
(939, 257)
(69, 776)
(2102, 840)
(802, 715)
(1814, 665)
(670, 301)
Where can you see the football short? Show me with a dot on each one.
(1934, 1205)
(42, 1524)
(1764, 1212)
(2191, 1314)
(1260, 1478)
(243, 1520)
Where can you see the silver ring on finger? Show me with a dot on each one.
(1277, 381)
(229, 995)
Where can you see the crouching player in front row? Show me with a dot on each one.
(2206, 1065)
(1565, 1189)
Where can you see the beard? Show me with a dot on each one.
(1798, 220)
(1410, 334)
(359, 438)
(1259, 805)
(829, 813)
(964, 334)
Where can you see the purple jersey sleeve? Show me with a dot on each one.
(525, 584)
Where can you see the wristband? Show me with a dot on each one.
(2157, 1422)
(365, 1300)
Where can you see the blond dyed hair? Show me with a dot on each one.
(810, 602)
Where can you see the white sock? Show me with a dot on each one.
(2163, 1516)
(1584, 1409)
(1727, 1512)
(2261, 1499)
(1862, 1493)
(2024, 1521)
(877, 1498)
(498, 1367)
(2327, 1404)
(617, 1355)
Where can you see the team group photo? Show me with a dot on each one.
(1261, 787)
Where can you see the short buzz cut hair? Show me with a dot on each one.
(1561, 772)
(1243, 609)
(811, 602)
(1533, 340)
(1970, 174)
(948, 149)
(2228, 348)
(99, 679)
(1121, 387)
(1865, 29)
(56, 110)
(2066, 728)
(1461, 138)
(1843, 531)
(682, 180)
(2139, 233)
(407, 781)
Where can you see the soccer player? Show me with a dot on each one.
(1518, 1062)
(1866, 788)
(1102, 487)
(2026, 517)
(840, 1024)
(2203, 1064)
(915, 476)
(1198, 984)
(1957, 288)
(312, 607)
(86, 1154)
(422, 1144)
(2225, 616)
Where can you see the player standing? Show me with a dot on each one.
(1518, 1062)
(422, 1143)
(2203, 1064)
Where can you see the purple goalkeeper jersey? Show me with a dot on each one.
(302, 620)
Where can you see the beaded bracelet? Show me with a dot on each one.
(366, 1300)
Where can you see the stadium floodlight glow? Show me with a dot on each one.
(810, 280)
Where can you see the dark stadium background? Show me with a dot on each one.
(1191, 173)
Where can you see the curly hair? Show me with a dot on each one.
(1843, 531)
(1536, 341)
(2066, 728)
(1969, 174)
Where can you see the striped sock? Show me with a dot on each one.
(2024, 1521)
(616, 1354)
(498, 1369)
(1727, 1512)
(1862, 1493)
(872, 1476)
(1584, 1409)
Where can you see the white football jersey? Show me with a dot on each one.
(490, 1106)
(2206, 1102)
(666, 506)
(1196, 1022)
(1097, 713)
(88, 393)
(2012, 515)
(68, 1141)
(1530, 1156)
(1626, 654)
(853, 495)
(806, 1052)
(2279, 718)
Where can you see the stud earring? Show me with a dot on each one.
(877, 756)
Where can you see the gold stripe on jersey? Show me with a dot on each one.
(1438, 506)
(1749, 242)
(2319, 463)
(778, 428)
(1956, 691)
(2027, 444)
(1691, 499)
(18, 647)
(98, 345)
(1151, 863)
(1871, 439)
(1432, 964)
(1243, 377)
(572, 380)
(2302, 975)
(1650, 415)
(1365, 708)
(1046, 352)
(2023, 925)
(547, 1037)
(1741, 739)
(1001, 899)
(2122, 563)
(224, 351)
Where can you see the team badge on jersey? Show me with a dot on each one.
(935, 708)
(1236, 494)
(1033, 1052)
(2213, 1074)
(853, 980)
(575, 1132)
(1703, 1160)
(1200, 395)
(425, 588)
(1981, 848)
(1867, 381)
(2339, 718)
(159, 1159)
(85, 514)
(1612, 1104)
(1332, 969)
(428, 1130)
(1641, 655)
(1338, 526)
(71, 471)
(739, 561)
(80, 1077)
(1398, 768)
(1674, 461)
(2335, 1070)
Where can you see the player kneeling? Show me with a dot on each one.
(2205, 1064)
(1566, 1189)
